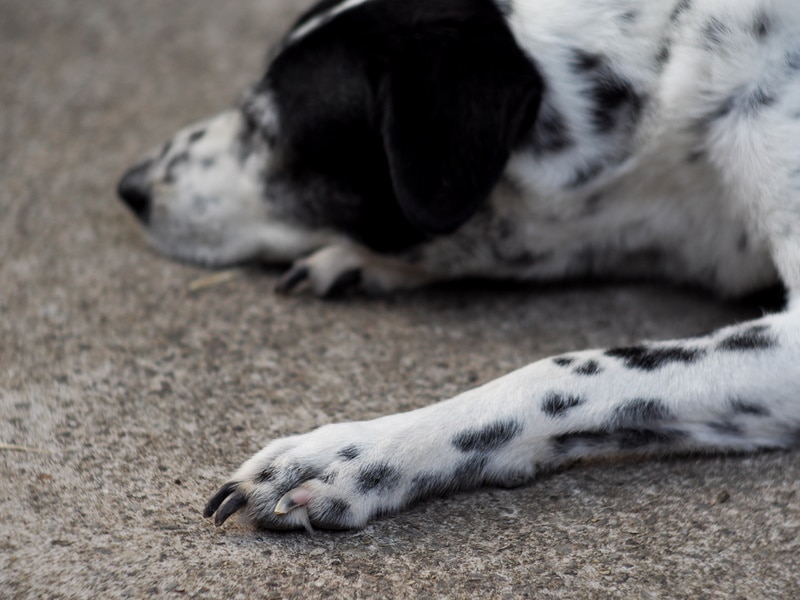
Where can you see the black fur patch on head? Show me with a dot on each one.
(742, 407)
(641, 411)
(381, 476)
(563, 361)
(753, 338)
(489, 437)
(650, 359)
(349, 453)
(557, 405)
(397, 118)
(590, 367)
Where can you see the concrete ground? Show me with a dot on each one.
(126, 398)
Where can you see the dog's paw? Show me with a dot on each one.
(337, 477)
(333, 270)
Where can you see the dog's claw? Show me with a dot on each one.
(292, 278)
(291, 500)
(218, 498)
(230, 507)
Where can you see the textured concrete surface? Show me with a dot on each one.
(134, 397)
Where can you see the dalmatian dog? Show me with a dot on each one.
(395, 143)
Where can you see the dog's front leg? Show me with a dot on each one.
(735, 390)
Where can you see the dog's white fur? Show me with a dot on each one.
(703, 188)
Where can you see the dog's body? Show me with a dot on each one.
(394, 143)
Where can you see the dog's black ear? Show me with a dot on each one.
(455, 102)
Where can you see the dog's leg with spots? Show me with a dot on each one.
(735, 390)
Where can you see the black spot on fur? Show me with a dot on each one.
(641, 411)
(714, 31)
(720, 112)
(614, 98)
(349, 453)
(557, 405)
(380, 476)
(488, 438)
(329, 477)
(196, 135)
(426, 485)
(743, 243)
(695, 156)
(681, 8)
(585, 175)
(626, 438)
(550, 134)
(590, 367)
(332, 512)
(741, 407)
(583, 61)
(650, 359)
(753, 338)
(632, 439)
(563, 361)
(469, 472)
(173, 164)
(758, 99)
(761, 25)
(265, 475)
(663, 55)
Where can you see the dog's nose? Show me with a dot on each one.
(133, 190)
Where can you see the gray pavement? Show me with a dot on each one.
(133, 397)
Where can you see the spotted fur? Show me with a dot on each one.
(394, 143)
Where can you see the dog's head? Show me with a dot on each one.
(383, 121)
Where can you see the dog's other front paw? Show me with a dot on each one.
(337, 477)
(335, 269)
